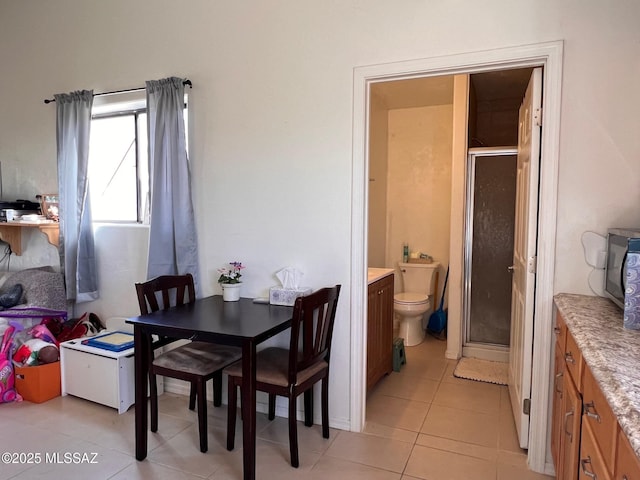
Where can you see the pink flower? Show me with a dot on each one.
(230, 275)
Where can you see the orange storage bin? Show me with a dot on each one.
(40, 383)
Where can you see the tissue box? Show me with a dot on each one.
(287, 296)
(631, 317)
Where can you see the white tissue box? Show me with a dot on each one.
(287, 296)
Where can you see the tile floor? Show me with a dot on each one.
(422, 423)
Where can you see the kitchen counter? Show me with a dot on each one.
(375, 274)
(611, 351)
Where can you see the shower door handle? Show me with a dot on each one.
(511, 268)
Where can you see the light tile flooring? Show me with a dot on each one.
(422, 423)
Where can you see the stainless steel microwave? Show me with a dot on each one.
(621, 242)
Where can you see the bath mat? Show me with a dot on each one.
(482, 370)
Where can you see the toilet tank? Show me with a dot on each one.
(419, 277)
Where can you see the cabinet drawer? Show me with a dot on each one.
(627, 463)
(598, 415)
(573, 361)
(592, 465)
(560, 332)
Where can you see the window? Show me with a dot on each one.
(118, 159)
(119, 167)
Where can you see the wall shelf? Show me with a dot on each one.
(11, 232)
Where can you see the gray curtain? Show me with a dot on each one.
(76, 234)
(172, 235)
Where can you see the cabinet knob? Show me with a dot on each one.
(556, 330)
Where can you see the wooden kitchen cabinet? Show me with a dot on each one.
(557, 409)
(597, 415)
(627, 465)
(592, 463)
(571, 430)
(558, 387)
(567, 405)
(379, 330)
(586, 440)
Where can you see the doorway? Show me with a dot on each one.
(548, 55)
(495, 98)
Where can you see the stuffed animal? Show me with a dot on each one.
(36, 352)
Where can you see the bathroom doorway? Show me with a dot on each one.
(410, 189)
(548, 55)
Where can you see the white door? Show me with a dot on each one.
(524, 255)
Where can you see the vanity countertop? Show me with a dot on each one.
(375, 274)
(611, 351)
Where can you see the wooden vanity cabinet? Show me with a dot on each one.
(379, 330)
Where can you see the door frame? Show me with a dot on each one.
(548, 55)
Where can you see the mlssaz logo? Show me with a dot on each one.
(71, 457)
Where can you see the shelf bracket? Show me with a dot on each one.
(11, 233)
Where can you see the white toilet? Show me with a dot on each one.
(414, 306)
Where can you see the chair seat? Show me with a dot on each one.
(272, 366)
(198, 358)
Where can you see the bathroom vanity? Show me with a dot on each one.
(379, 324)
(596, 401)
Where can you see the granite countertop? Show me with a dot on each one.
(611, 351)
(375, 274)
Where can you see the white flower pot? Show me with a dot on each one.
(231, 291)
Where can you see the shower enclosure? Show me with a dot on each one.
(488, 256)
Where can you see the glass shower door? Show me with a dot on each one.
(491, 189)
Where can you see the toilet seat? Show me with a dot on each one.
(410, 298)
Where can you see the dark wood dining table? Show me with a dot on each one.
(243, 323)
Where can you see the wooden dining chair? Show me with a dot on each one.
(290, 372)
(194, 362)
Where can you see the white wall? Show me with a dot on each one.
(419, 185)
(272, 114)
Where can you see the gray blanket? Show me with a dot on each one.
(43, 293)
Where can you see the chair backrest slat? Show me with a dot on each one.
(172, 289)
(313, 319)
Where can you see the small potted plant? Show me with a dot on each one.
(230, 281)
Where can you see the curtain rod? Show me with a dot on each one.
(186, 82)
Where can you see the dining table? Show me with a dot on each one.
(243, 323)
